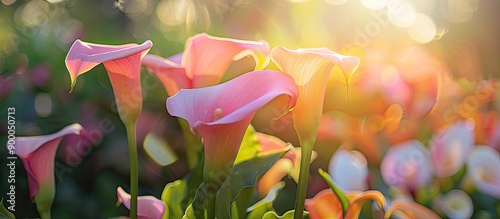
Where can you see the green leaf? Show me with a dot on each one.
(4, 213)
(338, 192)
(286, 215)
(240, 185)
(249, 147)
(266, 204)
(197, 208)
(172, 196)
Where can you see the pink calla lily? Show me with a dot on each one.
(204, 61)
(122, 62)
(483, 166)
(37, 154)
(407, 165)
(222, 113)
(148, 207)
(456, 204)
(449, 148)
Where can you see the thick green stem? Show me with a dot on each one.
(305, 161)
(192, 142)
(211, 206)
(134, 175)
(44, 214)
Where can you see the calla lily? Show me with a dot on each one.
(449, 148)
(310, 68)
(410, 210)
(222, 113)
(37, 154)
(122, 62)
(148, 207)
(325, 204)
(456, 204)
(349, 170)
(204, 61)
(483, 166)
(407, 165)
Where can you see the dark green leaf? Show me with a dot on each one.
(338, 192)
(266, 204)
(240, 184)
(4, 213)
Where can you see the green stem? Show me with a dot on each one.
(44, 214)
(134, 176)
(192, 142)
(211, 206)
(305, 161)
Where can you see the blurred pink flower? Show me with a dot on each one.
(409, 210)
(450, 147)
(148, 207)
(204, 61)
(222, 113)
(123, 64)
(483, 166)
(406, 165)
(37, 154)
(349, 170)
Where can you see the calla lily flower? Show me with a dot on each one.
(122, 62)
(456, 204)
(204, 61)
(410, 210)
(349, 170)
(148, 207)
(37, 154)
(450, 146)
(483, 166)
(325, 204)
(310, 68)
(222, 113)
(407, 165)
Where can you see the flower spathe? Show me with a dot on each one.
(222, 113)
(310, 68)
(37, 154)
(122, 62)
(148, 207)
(204, 61)
(483, 166)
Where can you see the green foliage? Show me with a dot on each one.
(266, 204)
(338, 192)
(286, 215)
(4, 213)
(172, 194)
(249, 146)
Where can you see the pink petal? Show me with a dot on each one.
(122, 63)
(148, 207)
(171, 75)
(37, 154)
(206, 58)
(311, 69)
(221, 113)
(449, 148)
(406, 165)
(483, 166)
